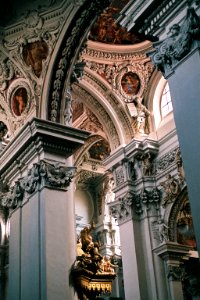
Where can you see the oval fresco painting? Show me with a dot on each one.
(130, 83)
(19, 101)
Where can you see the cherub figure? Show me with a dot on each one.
(107, 266)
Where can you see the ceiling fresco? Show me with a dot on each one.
(100, 150)
(107, 30)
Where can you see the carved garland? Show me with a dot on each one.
(41, 174)
(166, 161)
(74, 34)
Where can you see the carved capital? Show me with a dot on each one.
(122, 210)
(41, 174)
(13, 196)
(147, 199)
(175, 273)
(182, 39)
(54, 175)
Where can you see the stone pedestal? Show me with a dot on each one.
(38, 167)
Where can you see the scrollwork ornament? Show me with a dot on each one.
(122, 210)
(41, 174)
(7, 72)
(57, 176)
(181, 40)
(67, 55)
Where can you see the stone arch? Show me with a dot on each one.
(106, 107)
(80, 153)
(180, 220)
(65, 56)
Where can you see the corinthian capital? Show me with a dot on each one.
(41, 174)
(122, 210)
(181, 40)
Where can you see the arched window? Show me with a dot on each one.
(166, 102)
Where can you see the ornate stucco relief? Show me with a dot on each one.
(114, 101)
(182, 38)
(125, 76)
(102, 115)
(41, 174)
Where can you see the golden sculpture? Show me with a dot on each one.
(91, 274)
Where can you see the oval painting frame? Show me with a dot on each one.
(130, 83)
(19, 100)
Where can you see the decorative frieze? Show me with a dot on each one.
(41, 174)
(166, 161)
(119, 175)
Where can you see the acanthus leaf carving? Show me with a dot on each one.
(13, 197)
(175, 273)
(169, 52)
(55, 175)
(122, 210)
(41, 174)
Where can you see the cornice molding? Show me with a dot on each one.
(98, 52)
(39, 139)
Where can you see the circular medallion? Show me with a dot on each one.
(130, 83)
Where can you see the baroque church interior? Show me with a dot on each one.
(99, 164)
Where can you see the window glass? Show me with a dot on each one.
(166, 102)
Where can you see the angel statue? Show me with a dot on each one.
(140, 114)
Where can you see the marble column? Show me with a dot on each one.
(37, 168)
(178, 58)
(133, 223)
(130, 249)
